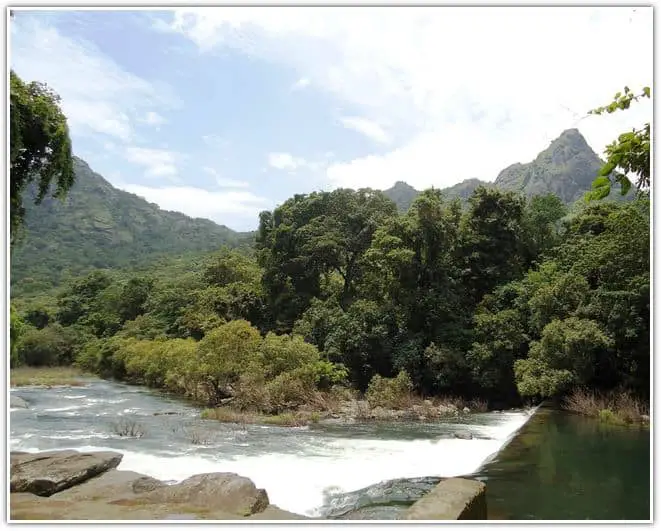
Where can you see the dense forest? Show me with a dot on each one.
(495, 294)
(506, 298)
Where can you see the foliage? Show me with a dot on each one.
(629, 155)
(40, 147)
(52, 345)
(389, 393)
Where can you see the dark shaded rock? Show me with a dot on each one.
(378, 499)
(46, 473)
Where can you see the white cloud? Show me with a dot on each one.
(301, 84)
(366, 127)
(469, 90)
(98, 96)
(285, 161)
(157, 162)
(153, 118)
(236, 209)
(223, 182)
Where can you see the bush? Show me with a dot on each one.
(49, 346)
(291, 389)
(251, 394)
(390, 393)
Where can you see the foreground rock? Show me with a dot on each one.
(220, 491)
(69, 485)
(17, 401)
(452, 499)
(46, 473)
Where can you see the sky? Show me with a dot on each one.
(222, 112)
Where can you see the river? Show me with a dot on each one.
(304, 470)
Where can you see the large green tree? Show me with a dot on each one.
(40, 146)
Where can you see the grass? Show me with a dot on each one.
(614, 408)
(288, 419)
(47, 376)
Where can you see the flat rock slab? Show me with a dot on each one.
(112, 485)
(46, 473)
(451, 499)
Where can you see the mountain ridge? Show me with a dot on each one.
(100, 226)
(566, 168)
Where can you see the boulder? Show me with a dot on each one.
(46, 473)
(218, 491)
(463, 434)
(466, 410)
(451, 499)
(17, 401)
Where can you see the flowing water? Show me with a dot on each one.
(304, 470)
(558, 466)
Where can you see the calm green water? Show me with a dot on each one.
(566, 467)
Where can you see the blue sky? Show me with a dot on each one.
(224, 112)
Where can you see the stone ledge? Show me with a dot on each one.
(451, 499)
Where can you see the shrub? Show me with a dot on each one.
(390, 393)
(290, 390)
(49, 346)
(251, 394)
(615, 408)
(285, 353)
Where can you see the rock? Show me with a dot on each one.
(463, 435)
(17, 401)
(379, 501)
(645, 418)
(217, 491)
(452, 499)
(114, 484)
(46, 473)
(161, 413)
(466, 410)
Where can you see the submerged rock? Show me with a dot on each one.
(17, 401)
(46, 473)
(463, 434)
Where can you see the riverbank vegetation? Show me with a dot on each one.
(47, 376)
(343, 300)
(611, 408)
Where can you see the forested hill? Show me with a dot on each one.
(566, 168)
(99, 226)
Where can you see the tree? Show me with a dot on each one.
(628, 155)
(40, 147)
